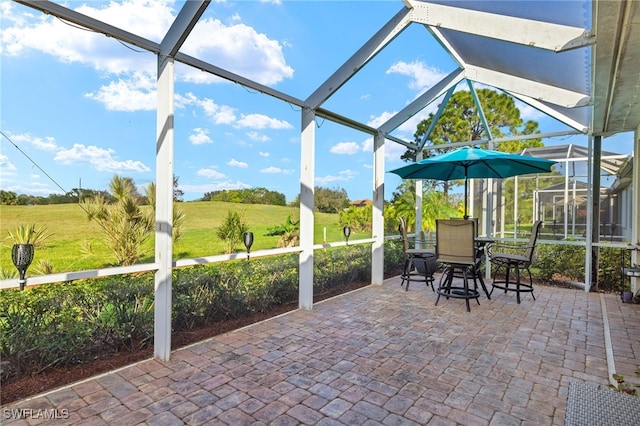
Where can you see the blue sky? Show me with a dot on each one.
(82, 106)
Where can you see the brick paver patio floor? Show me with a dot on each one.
(378, 355)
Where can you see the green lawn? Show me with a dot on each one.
(70, 230)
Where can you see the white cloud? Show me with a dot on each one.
(345, 148)
(32, 188)
(5, 165)
(257, 137)
(392, 150)
(263, 154)
(422, 75)
(407, 129)
(235, 163)
(527, 112)
(137, 93)
(44, 144)
(277, 170)
(200, 136)
(381, 119)
(238, 48)
(210, 173)
(210, 187)
(261, 121)
(69, 44)
(101, 159)
(219, 114)
(344, 175)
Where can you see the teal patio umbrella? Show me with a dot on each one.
(469, 162)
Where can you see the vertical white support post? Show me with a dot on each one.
(566, 199)
(635, 203)
(574, 209)
(536, 202)
(377, 248)
(164, 209)
(594, 158)
(418, 206)
(472, 199)
(307, 182)
(489, 213)
(591, 207)
(515, 207)
(503, 201)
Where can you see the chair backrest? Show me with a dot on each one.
(474, 219)
(531, 246)
(455, 241)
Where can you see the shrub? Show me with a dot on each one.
(64, 324)
(359, 218)
(557, 262)
(231, 231)
(29, 235)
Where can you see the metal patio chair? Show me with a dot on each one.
(516, 257)
(456, 251)
(419, 263)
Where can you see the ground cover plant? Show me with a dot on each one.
(57, 333)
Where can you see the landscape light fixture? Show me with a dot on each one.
(248, 242)
(22, 256)
(347, 232)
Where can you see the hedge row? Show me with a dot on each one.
(75, 322)
(64, 324)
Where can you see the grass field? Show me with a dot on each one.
(70, 229)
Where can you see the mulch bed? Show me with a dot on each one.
(26, 386)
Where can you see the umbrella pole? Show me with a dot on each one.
(466, 195)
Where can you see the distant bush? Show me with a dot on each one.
(247, 196)
(358, 218)
(232, 230)
(562, 262)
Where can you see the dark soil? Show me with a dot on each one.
(26, 386)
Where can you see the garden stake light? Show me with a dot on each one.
(22, 256)
(347, 232)
(248, 241)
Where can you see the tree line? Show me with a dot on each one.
(327, 200)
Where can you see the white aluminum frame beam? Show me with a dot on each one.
(110, 31)
(582, 128)
(235, 78)
(85, 21)
(181, 27)
(436, 117)
(481, 114)
(535, 90)
(307, 192)
(377, 225)
(359, 59)
(164, 209)
(533, 33)
(423, 100)
(171, 43)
